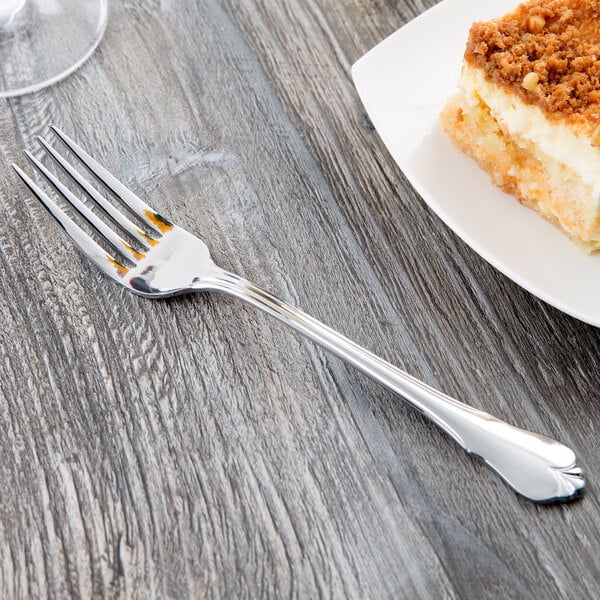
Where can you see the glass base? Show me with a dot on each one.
(44, 41)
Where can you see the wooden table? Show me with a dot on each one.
(194, 448)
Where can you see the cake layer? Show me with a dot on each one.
(522, 168)
(558, 140)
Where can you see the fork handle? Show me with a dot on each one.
(537, 467)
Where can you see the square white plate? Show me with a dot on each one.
(404, 83)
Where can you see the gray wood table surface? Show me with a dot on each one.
(194, 448)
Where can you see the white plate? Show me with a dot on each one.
(404, 83)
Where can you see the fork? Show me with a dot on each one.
(159, 259)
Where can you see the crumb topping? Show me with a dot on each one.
(548, 53)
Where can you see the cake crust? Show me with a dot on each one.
(547, 52)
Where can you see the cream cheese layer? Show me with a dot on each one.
(557, 140)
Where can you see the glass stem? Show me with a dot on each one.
(8, 11)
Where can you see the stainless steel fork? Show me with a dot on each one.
(159, 259)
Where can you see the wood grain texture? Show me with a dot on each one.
(193, 448)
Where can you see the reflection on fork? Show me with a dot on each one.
(154, 258)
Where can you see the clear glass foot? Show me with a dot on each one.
(44, 41)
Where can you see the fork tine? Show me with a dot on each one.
(139, 207)
(108, 264)
(116, 215)
(111, 237)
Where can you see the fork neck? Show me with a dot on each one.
(234, 285)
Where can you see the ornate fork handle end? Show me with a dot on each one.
(537, 467)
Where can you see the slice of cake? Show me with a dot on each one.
(528, 110)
